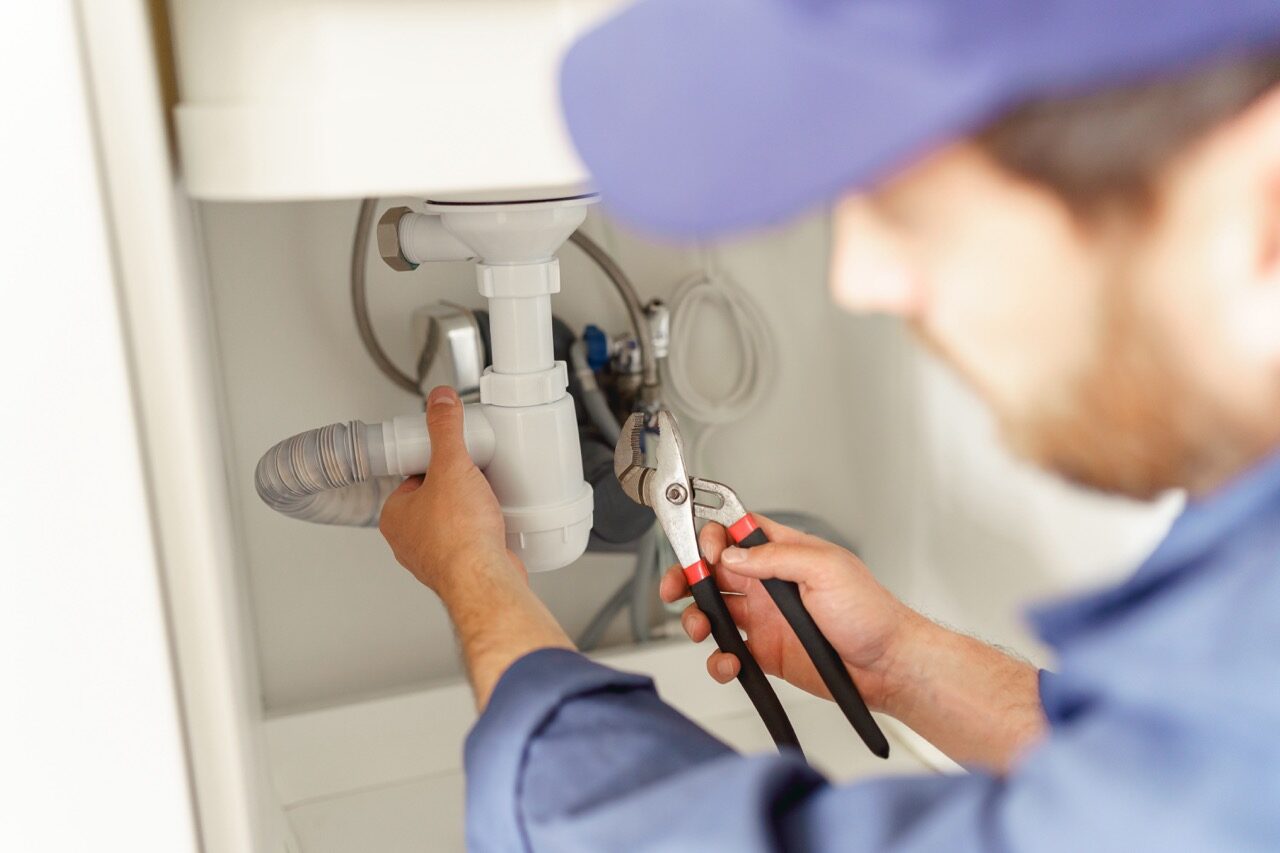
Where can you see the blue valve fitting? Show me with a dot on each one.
(597, 344)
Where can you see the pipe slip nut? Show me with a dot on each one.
(520, 390)
(388, 234)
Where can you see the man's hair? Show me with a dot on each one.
(1097, 149)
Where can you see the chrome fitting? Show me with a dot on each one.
(389, 239)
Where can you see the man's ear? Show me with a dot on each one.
(1245, 156)
(1267, 271)
(871, 272)
(1262, 123)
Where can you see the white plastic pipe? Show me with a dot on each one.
(532, 459)
(536, 470)
(423, 238)
(405, 445)
(524, 432)
(342, 473)
(520, 334)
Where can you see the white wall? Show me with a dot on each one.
(90, 724)
(861, 429)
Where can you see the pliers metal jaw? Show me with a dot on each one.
(665, 487)
(717, 502)
(667, 490)
(676, 498)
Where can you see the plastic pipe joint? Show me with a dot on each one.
(536, 468)
(523, 434)
(533, 460)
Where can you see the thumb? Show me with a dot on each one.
(789, 561)
(444, 424)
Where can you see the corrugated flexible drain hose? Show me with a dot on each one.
(327, 475)
(342, 473)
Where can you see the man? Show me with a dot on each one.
(1075, 202)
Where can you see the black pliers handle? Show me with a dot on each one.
(676, 498)
(717, 502)
(752, 678)
(665, 488)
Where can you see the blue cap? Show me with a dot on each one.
(699, 117)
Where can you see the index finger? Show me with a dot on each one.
(779, 532)
(714, 538)
(673, 586)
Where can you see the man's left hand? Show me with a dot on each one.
(446, 524)
(446, 528)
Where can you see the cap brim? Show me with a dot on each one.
(699, 118)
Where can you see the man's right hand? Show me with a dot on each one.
(971, 700)
(865, 623)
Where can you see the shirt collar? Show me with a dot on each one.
(1206, 522)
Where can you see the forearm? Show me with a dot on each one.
(498, 620)
(976, 703)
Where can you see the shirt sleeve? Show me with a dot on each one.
(574, 756)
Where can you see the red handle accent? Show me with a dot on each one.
(696, 572)
(742, 528)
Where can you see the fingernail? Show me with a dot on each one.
(442, 396)
(733, 556)
(724, 668)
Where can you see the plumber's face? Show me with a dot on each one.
(1132, 353)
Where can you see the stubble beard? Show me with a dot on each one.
(1125, 424)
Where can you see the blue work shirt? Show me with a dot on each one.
(1164, 720)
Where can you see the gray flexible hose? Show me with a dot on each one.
(635, 311)
(326, 475)
(360, 301)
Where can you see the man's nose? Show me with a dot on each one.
(870, 272)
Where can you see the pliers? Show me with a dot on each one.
(676, 498)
